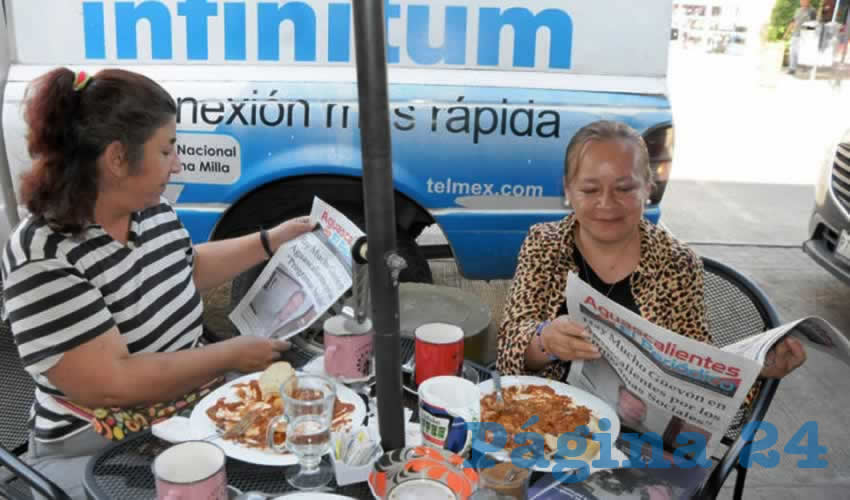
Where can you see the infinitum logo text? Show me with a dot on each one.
(321, 31)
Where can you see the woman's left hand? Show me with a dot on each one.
(289, 230)
(783, 358)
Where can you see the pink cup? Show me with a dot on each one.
(189, 470)
(348, 347)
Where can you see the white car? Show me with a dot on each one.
(829, 226)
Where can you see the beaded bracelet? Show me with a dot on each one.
(539, 334)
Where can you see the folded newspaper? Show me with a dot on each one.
(661, 382)
(645, 483)
(304, 279)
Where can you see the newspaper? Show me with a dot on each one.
(673, 483)
(306, 276)
(661, 382)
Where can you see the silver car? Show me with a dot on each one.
(829, 226)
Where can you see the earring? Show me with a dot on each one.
(567, 203)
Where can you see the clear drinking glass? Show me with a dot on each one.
(308, 405)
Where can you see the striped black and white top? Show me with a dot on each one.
(61, 291)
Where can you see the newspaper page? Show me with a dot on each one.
(674, 483)
(305, 277)
(656, 380)
(815, 332)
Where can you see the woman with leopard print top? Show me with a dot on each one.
(609, 244)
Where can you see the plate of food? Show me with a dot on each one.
(225, 407)
(559, 408)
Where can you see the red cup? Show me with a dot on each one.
(439, 351)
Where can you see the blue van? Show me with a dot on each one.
(484, 97)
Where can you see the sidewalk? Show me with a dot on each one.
(733, 122)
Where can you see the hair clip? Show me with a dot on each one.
(81, 79)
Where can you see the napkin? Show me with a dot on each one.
(174, 430)
(412, 432)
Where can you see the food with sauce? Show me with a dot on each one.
(229, 410)
(556, 414)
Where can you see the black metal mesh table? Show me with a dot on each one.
(124, 469)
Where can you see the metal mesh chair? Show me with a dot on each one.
(736, 308)
(17, 394)
(18, 390)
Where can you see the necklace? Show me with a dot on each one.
(587, 272)
(588, 279)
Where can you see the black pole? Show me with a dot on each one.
(379, 203)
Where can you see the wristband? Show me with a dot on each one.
(264, 239)
(539, 334)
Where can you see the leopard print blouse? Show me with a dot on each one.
(667, 286)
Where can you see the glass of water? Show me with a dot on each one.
(308, 405)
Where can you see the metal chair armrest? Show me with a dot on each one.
(32, 477)
(712, 485)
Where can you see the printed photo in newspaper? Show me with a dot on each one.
(304, 279)
(283, 306)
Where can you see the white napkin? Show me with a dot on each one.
(412, 432)
(174, 430)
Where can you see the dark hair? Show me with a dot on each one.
(69, 129)
(605, 130)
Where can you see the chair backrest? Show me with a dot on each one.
(736, 309)
(17, 393)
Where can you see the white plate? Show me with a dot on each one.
(203, 426)
(316, 366)
(599, 408)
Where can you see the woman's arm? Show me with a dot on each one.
(687, 314)
(102, 372)
(526, 306)
(217, 262)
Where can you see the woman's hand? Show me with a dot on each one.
(783, 358)
(568, 340)
(289, 230)
(254, 354)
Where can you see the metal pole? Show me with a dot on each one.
(379, 203)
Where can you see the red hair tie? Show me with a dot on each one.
(81, 79)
